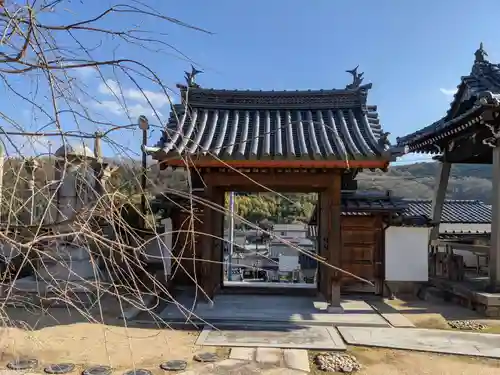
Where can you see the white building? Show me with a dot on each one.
(290, 230)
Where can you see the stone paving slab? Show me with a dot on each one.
(426, 340)
(390, 314)
(296, 359)
(268, 356)
(242, 354)
(273, 336)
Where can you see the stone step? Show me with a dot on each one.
(293, 359)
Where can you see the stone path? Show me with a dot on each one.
(390, 314)
(427, 340)
(274, 336)
(260, 309)
(265, 361)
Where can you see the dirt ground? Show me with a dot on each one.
(58, 335)
(398, 362)
(377, 361)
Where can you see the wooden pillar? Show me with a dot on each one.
(331, 244)
(494, 254)
(218, 231)
(439, 197)
(206, 244)
(322, 245)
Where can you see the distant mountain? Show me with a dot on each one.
(406, 181)
(467, 181)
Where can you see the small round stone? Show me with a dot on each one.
(23, 364)
(59, 368)
(97, 370)
(337, 362)
(139, 371)
(466, 325)
(174, 365)
(206, 357)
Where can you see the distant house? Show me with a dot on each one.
(290, 230)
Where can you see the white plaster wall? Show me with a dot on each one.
(444, 227)
(406, 254)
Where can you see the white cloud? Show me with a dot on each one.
(448, 92)
(109, 87)
(19, 145)
(132, 111)
(412, 158)
(157, 99)
(85, 72)
(138, 102)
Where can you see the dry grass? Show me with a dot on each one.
(436, 314)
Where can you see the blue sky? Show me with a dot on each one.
(414, 53)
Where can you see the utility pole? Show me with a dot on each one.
(231, 237)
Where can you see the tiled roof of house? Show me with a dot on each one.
(454, 211)
(478, 89)
(363, 204)
(251, 125)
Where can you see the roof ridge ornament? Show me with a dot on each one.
(357, 80)
(191, 76)
(480, 54)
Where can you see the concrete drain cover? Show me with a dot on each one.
(23, 364)
(59, 368)
(97, 370)
(139, 371)
(175, 365)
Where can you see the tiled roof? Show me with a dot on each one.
(364, 204)
(481, 87)
(239, 125)
(454, 211)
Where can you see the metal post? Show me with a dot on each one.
(31, 165)
(144, 126)
(231, 237)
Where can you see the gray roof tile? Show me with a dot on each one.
(482, 83)
(316, 125)
(364, 204)
(454, 211)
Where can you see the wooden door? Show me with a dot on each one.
(361, 248)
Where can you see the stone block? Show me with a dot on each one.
(492, 311)
(268, 355)
(296, 359)
(242, 354)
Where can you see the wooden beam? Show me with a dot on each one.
(208, 162)
(218, 248)
(207, 242)
(258, 182)
(439, 197)
(331, 241)
(494, 261)
(335, 239)
(322, 243)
